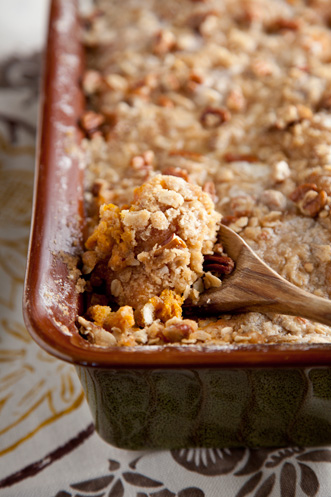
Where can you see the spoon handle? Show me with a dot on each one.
(256, 287)
(288, 299)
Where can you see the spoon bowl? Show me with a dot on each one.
(254, 286)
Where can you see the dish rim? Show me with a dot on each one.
(50, 326)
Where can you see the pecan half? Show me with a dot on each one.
(301, 191)
(240, 157)
(90, 121)
(313, 203)
(219, 264)
(213, 117)
(209, 187)
(283, 24)
(177, 331)
(309, 199)
(176, 171)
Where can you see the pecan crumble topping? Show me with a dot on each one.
(200, 110)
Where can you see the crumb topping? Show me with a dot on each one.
(197, 111)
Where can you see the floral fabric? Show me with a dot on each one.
(48, 445)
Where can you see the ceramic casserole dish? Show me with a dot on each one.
(150, 397)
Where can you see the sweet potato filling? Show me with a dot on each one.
(151, 253)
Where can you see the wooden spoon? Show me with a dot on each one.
(253, 286)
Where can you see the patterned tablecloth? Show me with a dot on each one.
(48, 446)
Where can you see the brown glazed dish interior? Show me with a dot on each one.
(51, 301)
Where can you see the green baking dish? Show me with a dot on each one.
(150, 397)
